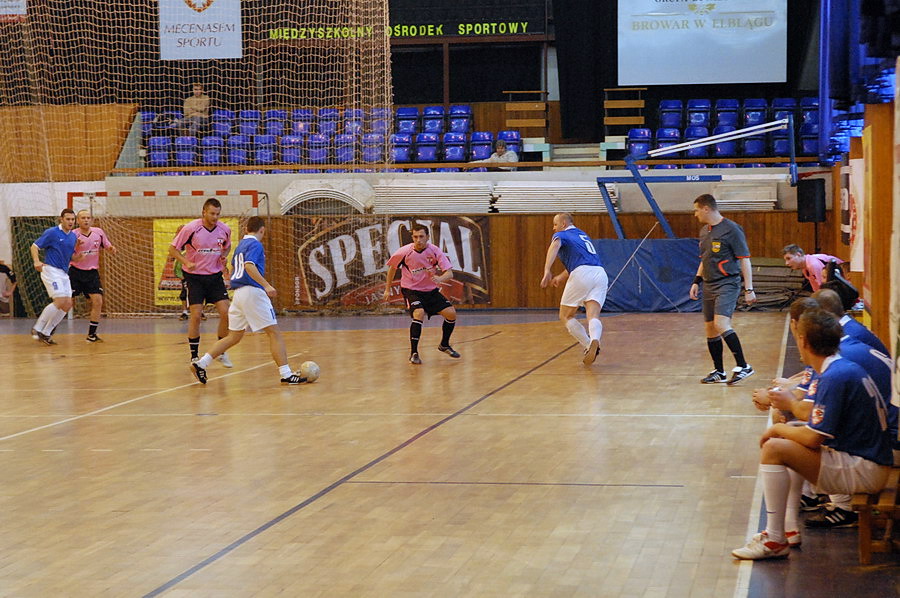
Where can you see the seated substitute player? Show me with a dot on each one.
(58, 243)
(7, 288)
(586, 282)
(851, 327)
(844, 448)
(252, 306)
(85, 277)
(419, 262)
(724, 259)
(206, 242)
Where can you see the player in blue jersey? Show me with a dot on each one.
(251, 306)
(844, 447)
(58, 244)
(851, 327)
(586, 282)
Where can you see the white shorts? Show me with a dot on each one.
(843, 473)
(586, 283)
(56, 282)
(251, 308)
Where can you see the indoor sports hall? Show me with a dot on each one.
(516, 463)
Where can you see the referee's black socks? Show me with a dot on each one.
(734, 343)
(715, 351)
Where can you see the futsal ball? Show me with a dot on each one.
(309, 370)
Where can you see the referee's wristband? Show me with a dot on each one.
(748, 290)
(698, 279)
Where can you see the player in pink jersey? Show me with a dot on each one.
(85, 276)
(422, 268)
(205, 243)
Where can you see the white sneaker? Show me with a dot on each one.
(793, 538)
(760, 547)
(223, 359)
(590, 354)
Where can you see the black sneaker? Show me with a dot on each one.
(813, 503)
(45, 338)
(198, 372)
(738, 374)
(293, 379)
(832, 518)
(93, 338)
(449, 351)
(183, 316)
(714, 376)
(414, 359)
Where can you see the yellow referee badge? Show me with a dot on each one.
(716, 246)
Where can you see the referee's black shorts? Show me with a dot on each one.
(431, 301)
(205, 288)
(85, 282)
(720, 297)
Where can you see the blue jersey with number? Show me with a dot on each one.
(249, 250)
(576, 249)
(850, 412)
(58, 247)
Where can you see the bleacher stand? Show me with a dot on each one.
(408, 120)
(433, 120)
(426, 147)
(698, 111)
(671, 114)
(727, 112)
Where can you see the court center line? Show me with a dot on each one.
(337, 484)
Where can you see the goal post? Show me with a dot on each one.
(141, 279)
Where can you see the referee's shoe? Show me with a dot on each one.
(739, 373)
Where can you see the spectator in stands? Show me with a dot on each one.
(196, 111)
(813, 266)
(844, 448)
(501, 154)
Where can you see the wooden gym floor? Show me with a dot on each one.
(514, 471)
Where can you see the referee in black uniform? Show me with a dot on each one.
(724, 260)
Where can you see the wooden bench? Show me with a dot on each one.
(878, 512)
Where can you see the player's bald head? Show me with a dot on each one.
(565, 218)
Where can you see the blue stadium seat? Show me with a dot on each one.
(211, 150)
(379, 120)
(238, 149)
(264, 149)
(166, 123)
(408, 120)
(753, 147)
(433, 120)
(665, 137)
(147, 118)
(454, 147)
(419, 170)
(274, 122)
(292, 149)
(481, 145)
(426, 147)
(446, 170)
(222, 122)
(302, 121)
(317, 148)
(727, 112)
(755, 111)
(328, 121)
(698, 113)
(809, 139)
(173, 173)
(400, 147)
(809, 111)
(248, 122)
(781, 144)
(638, 142)
(345, 148)
(512, 138)
(460, 119)
(671, 113)
(372, 147)
(186, 151)
(784, 107)
(158, 148)
(699, 153)
(353, 121)
(724, 149)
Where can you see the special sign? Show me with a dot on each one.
(343, 260)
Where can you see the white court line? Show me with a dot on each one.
(437, 414)
(745, 568)
(128, 402)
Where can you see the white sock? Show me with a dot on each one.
(595, 327)
(45, 317)
(776, 485)
(285, 370)
(57, 318)
(205, 361)
(792, 510)
(808, 489)
(577, 330)
(841, 501)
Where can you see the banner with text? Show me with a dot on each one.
(342, 260)
(199, 29)
(13, 11)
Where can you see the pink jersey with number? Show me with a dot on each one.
(89, 246)
(207, 249)
(417, 267)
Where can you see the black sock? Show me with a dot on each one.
(415, 331)
(448, 330)
(715, 351)
(92, 329)
(734, 343)
(194, 344)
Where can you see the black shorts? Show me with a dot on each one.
(85, 282)
(720, 297)
(183, 294)
(208, 288)
(431, 301)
